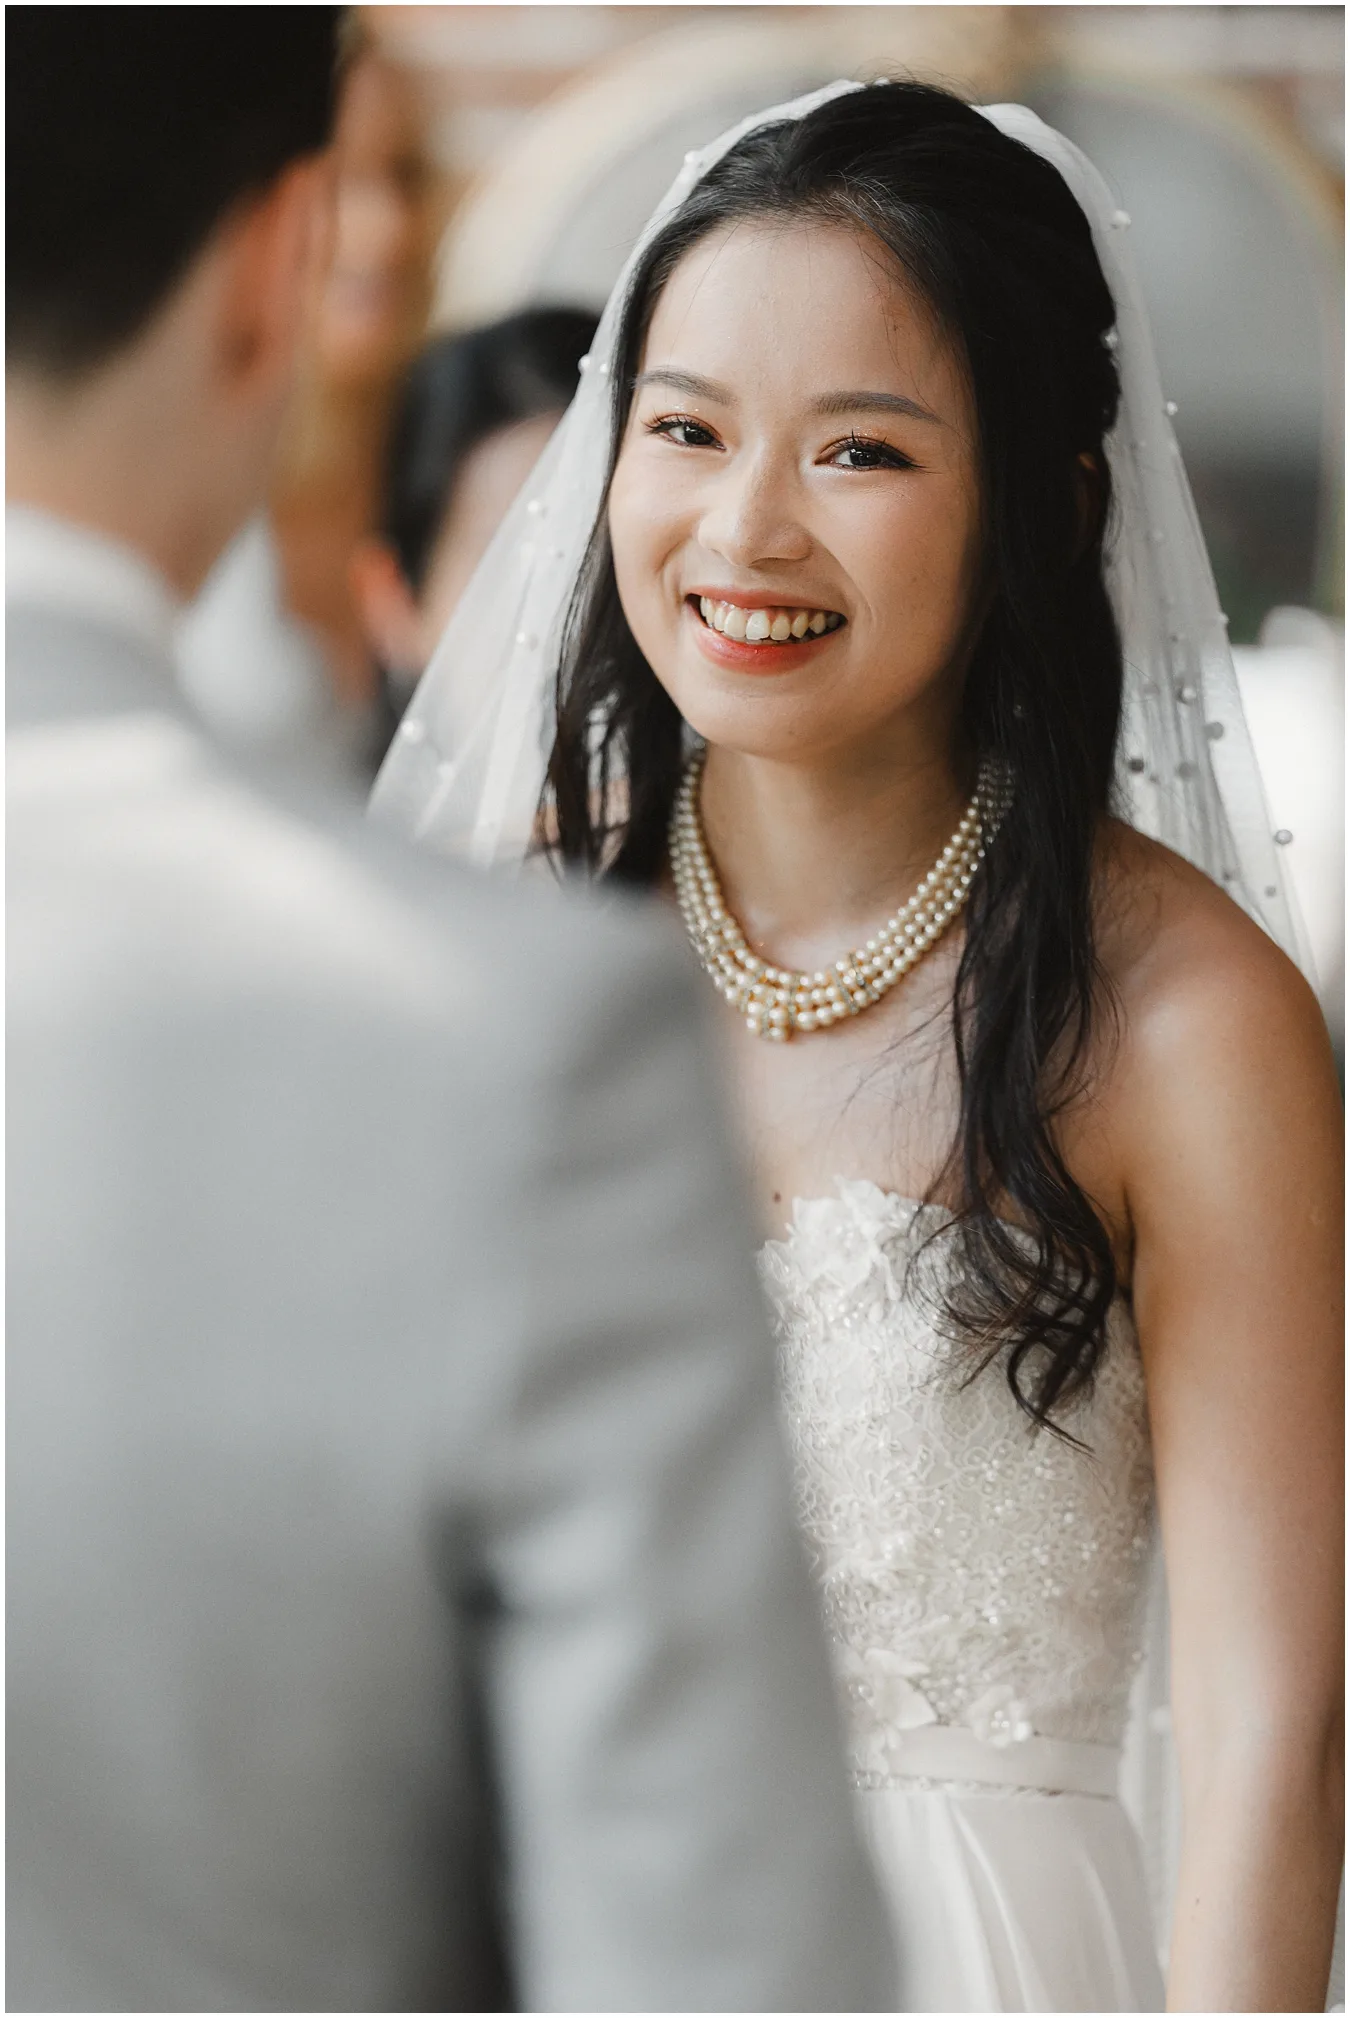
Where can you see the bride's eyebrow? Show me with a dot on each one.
(875, 402)
(694, 387)
(687, 382)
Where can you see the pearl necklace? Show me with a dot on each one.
(775, 1002)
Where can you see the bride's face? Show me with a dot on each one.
(800, 460)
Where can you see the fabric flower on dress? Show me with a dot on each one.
(887, 1681)
(823, 1251)
(998, 1717)
(881, 1685)
(841, 1242)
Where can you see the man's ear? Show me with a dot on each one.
(274, 247)
(388, 609)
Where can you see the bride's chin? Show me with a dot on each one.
(757, 724)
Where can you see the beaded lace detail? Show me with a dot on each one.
(975, 1572)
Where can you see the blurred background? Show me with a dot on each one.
(500, 160)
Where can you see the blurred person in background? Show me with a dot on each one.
(368, 321)
(272, 651)
(862, 611)
(472, 418)
(405, 1609)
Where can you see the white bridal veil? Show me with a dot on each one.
(466, 768)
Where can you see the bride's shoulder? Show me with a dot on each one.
(1196, 984)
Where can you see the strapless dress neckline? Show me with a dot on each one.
(874, 1199)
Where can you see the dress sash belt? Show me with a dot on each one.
(1042, 1765)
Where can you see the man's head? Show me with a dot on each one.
(164, 193)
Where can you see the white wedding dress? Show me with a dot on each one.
(983, 1587)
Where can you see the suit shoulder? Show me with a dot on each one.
(138, 846)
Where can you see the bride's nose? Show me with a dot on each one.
(750, 516)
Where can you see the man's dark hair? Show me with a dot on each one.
(132, 131)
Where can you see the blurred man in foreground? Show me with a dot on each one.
(404, 1606)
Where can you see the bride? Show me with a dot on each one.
(891, 655)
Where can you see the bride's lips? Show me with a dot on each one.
(741, 655)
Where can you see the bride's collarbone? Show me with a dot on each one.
(878, 1097)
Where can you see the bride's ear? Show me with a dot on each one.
(1088, 489)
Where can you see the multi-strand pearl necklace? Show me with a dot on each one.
(776, 1002)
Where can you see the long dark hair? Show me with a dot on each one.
(992, 237)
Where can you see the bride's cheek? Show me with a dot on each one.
(639, 590)
(633, 513)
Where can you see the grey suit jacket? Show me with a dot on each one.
(405, 1610)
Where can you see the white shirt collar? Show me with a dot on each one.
(55, 564)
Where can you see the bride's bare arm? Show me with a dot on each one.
(1230, 1138)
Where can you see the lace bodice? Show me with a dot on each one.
(975, 1572)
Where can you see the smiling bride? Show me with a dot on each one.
(859, 608)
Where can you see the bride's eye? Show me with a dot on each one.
(684, 432)
(858, 453)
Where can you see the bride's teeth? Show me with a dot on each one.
(762, 626)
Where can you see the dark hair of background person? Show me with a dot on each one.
(132, 131)
(459, 390)
(991, 236)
